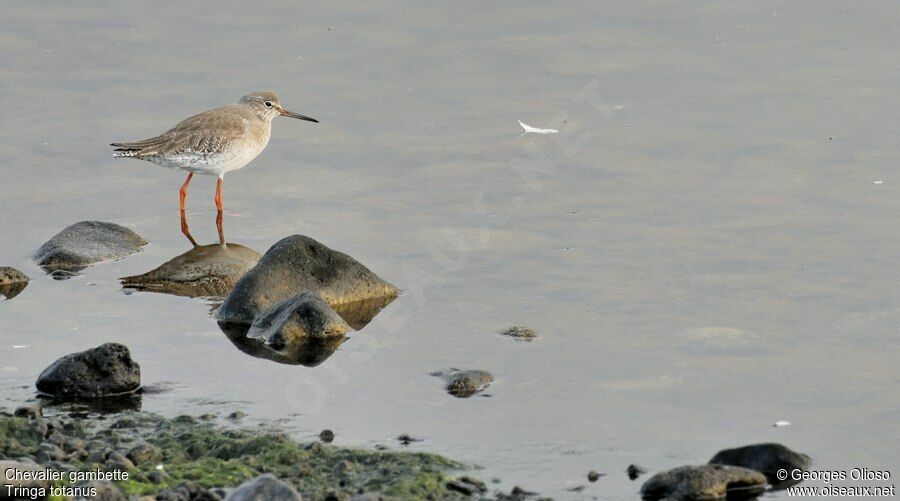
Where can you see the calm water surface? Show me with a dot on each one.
(707, 247)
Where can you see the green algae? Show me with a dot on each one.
(208, 455)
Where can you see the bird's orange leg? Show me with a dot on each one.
(219, 227)
(185, 230)
(182, 195)
(219, 195)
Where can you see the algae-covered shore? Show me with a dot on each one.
(191, 458)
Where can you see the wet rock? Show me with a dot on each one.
(765, 458)
(262, 488)
(465, 383)
(593, 476)
(308, 351)
(516, 494)
(237, 415)
(86, 243)
(115, 460)
(12, 282)
(467, 486)
(520, 333)
(8, 481)
(634, 471)
(49, 452)
(29, 411)
(326, 436)
(298, 264)
(294, 320)
(406, 439)
(143, 453)
(204, 271)
(107, 370)
(704, 482)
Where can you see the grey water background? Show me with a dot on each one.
(708, 246)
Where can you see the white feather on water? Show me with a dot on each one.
(535, 130)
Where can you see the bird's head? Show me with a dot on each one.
(267, 106)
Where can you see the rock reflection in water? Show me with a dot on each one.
(204, 271)
(308, 351)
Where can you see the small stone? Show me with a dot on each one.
(593, 476)
(465, 383)
(143, 453)
(115, 460)
(207, 417)
(520, 333)
(29, 411)
(467, 486)
(12, 282)
(264, 487)
(49, 452)
(406, 439)
(326, 436)
(634, 471)
(237, 415)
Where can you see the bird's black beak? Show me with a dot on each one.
(286, 113)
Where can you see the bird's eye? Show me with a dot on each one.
(268, 104)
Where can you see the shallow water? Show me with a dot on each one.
(707, 247)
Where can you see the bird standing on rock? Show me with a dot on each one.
(213, 143)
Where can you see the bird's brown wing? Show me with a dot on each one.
(208, 132)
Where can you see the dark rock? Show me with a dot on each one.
(298, 264)
(293, 321)
(765, 458)
(12, 282)
(326, 436)
(704, 482)
(577, 488)
(520, 333)
(467, 486)
(516, 494)
(337, 496)
(206, 417)
(634, 471)
(115, 460)
(262, 488)
(465, 383)
(406, 439)
(207, 271)
(86, 243)
(143, 453)
(593, 476)
(49, 452)
(29, 411)
(107, 370)
(237, 415)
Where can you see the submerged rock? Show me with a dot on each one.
(262, 488)
(465, 383)
(310, 351)
(634, 471)
(704, 482)
(12, 282)
(294, 320)
(520, 333)
(86, 243)
(765, 458)
(204, 271)
(298, 264)
(104, 371)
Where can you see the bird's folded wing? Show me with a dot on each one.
(208, 132)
